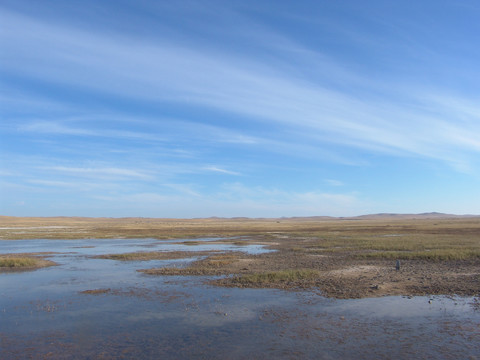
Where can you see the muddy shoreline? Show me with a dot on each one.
(98, 303)
(341, 275)
(351, 259)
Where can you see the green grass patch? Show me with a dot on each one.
(154, 255)
(240, 243)
(212, 265)
(18, 262)
(415, 245)
(431, 255)
(134, 256)
(192, 243)
(275, 277)
(181, 271)
(96, 291)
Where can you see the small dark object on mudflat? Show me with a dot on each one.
(397, 265)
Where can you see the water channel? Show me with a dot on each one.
(44, 314)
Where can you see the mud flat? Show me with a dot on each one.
(351, 258)
(147, 298)
(339, 274)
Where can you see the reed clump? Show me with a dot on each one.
(276, 277)
(13, 262)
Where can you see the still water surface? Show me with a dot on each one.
(44, 315)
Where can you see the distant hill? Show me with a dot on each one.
(430, 215)
(380, 216)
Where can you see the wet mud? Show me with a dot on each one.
(340, 274)
(90, 306)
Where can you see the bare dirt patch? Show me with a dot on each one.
(355, 270)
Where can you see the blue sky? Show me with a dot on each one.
(239, 108)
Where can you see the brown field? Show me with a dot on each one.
(343, 258)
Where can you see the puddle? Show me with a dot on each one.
(43, 313)
(118, 246)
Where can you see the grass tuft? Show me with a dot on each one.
(18, 262)
(96, 291)
(275, 277)
(181, 271)
(431, 255)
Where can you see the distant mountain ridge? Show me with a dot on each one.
(429, 215)
(379, 216)
(385, 216)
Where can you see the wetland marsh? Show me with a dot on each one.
(241, 289)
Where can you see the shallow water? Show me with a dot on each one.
(44, 315)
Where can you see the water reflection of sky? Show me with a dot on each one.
(78, 271)
(43, 312)
(118, 246)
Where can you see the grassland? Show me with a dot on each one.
(12, 228)
(427, 244)
(275, 277)
(9, 262)
(344, 258)
(16, 262)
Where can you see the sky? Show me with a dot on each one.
(185, 109)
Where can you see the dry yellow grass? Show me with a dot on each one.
(17, 262)
(440, 256)
(276, 277)
(22, 261)
(433, 239)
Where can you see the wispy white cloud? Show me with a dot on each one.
(50, 127)
(291, 202)
(220, 170)
(183, 189)
(162, 70)
(13, 100)
(60, 128)
(240, 200)
(56, 183)
(73, 185)
(108, 172)
(156, 108)
(334, 182)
